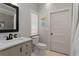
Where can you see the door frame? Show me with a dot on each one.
(74, 26)
(60, 10)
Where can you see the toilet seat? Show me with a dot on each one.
(41, 46)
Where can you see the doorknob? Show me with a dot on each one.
(51, 33)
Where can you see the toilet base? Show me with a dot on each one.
(39, 52)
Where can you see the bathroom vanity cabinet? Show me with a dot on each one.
(23, 49)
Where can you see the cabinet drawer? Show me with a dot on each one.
(27, 48)
(14, 51)
(28, 44)
(27, 52)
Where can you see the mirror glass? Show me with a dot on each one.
(8, 18)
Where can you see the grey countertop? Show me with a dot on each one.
(4, 44)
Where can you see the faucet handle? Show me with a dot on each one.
(15, 35)
(7, 38)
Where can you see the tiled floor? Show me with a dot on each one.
(49, 53)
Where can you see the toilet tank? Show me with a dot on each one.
(35, 39)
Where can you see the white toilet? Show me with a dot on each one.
(39, 48)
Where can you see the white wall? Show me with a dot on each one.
(43, 29)
(44, 11)
(24, 19)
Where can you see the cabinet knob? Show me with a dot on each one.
(21, 49)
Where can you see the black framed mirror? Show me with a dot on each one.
(9, 18)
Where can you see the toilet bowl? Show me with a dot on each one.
(38, 46)
(41, 46)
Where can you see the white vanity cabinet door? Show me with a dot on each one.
(27, 48)
(14, 51)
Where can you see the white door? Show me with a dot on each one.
(61, 31)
